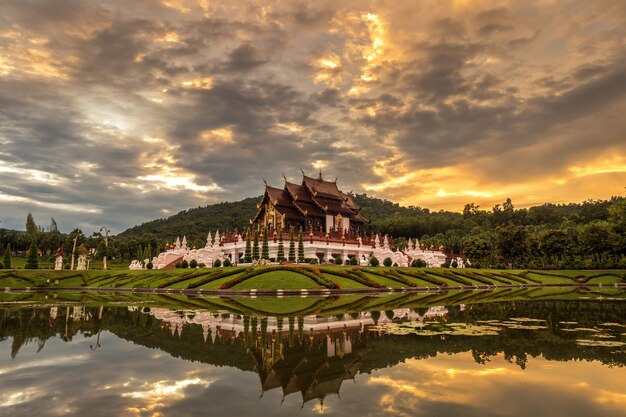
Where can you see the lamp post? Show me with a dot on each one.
(106, 245)
(74, 249)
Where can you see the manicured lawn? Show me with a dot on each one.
(296, 277)
(277, 279)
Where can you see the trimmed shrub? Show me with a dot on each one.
(500, 265)
(184, 264)
(354, 261)
(374, 261)
(201, 265)
(7, 257)
(217, 263)
(387, 262)
(149, 265)
(475, 265)
(227, 262)
(313, 262)
(300, 248)
(338, 260)
(32, 262)
(193, 263)
(418, 263)
(178, 265)
(454, 264)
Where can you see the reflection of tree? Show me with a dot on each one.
(516, 345)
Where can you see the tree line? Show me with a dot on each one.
(591, 234)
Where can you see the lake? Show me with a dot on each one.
(517, 352)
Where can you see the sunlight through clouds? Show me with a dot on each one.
(433, 103)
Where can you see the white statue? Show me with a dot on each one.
(82, 263)
(58, 263)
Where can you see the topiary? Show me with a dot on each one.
(387, 262)
(226, 262)
(7, 257)
(193, 264)
(374, 261)
(354, 260)
(418, 263)
(500, 265)
(454, 264)
(184, 264)
(217, 263)
(32, 262)
(475, 265)
(338, 260)
(201, 265)
(149, 265)
(313, 261)
(178, 265)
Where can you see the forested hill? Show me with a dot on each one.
(385, 217)
(195, 223)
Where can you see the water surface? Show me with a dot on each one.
(84, 355)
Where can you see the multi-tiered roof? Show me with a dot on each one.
(308, 205)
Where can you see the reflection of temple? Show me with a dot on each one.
(311, 355)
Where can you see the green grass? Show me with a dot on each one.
(298, 277)
(277, 279)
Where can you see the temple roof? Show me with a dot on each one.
(278, 196)
(315, 197)
(298, 191)
(349, 199)
(322, 188)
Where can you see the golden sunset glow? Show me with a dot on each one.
(433, 103)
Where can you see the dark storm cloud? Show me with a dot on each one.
(122, 112)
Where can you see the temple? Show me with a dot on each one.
(327, 221)
(315, 204)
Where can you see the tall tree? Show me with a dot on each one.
(53, 225)
(32, 262)
(31, 227)
(511, 242)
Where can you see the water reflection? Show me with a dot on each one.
(566, 357)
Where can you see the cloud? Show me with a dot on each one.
(116, 113)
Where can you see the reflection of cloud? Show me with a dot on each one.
(154, 395)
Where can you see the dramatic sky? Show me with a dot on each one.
(117, 112)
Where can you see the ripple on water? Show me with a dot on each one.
(600, 343)
(454, 329)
